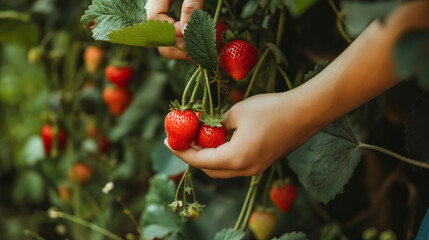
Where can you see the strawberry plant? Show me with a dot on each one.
(102, 160)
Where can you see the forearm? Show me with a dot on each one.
(364, 70)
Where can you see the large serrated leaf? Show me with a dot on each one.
(200, 40)
(105, 16)
(326, 162)
(152, 33)
(161, 190)
(158, 221)
(417, 131)
(229, 234)
(298, 7)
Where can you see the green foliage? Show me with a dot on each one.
(200, 40)
(278, 53)
(326, 162)
(165, 162)
(317, 69)
(229, 234)
(146, 34)
(412, 58)
(29, 187)
(158, 221)
(32, 152)
(359, 14)
(293, 236)
(417, 131)
(298, 7)
(105, 16)
(17, 31)
(161, 190)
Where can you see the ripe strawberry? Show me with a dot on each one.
(181, 128)
(47, 134)
(262, 223)
(237, 58)
(120, 76)
(81, 172)
(117, 99)
(237, 95)
(93, 57)
(220, 28)
(283, 194)
(211, 137)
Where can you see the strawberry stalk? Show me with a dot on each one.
(251, 203)
(278, 166)
(248, 203)
(231, 14)
(189, 85)
(217, 13)
(194, 93)
(285, 77)
(209, 92)
(267, 186)
(255, 73)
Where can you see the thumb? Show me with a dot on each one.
(188, 8)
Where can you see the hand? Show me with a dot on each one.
(264, 128)
(158, 10)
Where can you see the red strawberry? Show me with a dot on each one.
(47, 134)
(117, 99)
(93, 57)
(120, 76)
(237, 95)
(211, 137)
(262, 223)
(181, 128)
(104, 144)
(81, 172)
(283, 195)
(237, 58)
(220, 28)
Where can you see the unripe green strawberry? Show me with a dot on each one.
(35, 54)
(195, 210)
(93, 57)
(262, 224)
(283, 195)
(211, 137)
(120, 76)
(237, 58)
(181, 128)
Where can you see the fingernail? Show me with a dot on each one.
(184, 27)
(166, 142)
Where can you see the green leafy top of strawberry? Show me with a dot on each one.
(212, 120)
(281, 182)
(175, 105)
(229, 36)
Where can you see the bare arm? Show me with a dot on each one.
(363, 71)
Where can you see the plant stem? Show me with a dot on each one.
(180, 49)
(180, 183)
(130, 215)
(205, 98)
(285, 77)
(281, 27)
(194, 93)
(33, 234)
(252, 202)
(340, 20)
(192, 186)
(217, 13)
(278, 166)
(89, 225)
(209, 92)
(189, 85)
(244, 207)
(218, 96)
(267, 186)
(395, 155)
(232, 14)
(258, 66)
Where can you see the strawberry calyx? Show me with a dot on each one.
(229, 36)
(120, 64)
(281, 182)
(212, 120)
(264, 209)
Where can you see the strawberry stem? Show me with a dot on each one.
(217, 13)
(192, 186)
(252, 202)
(232, 15)
(278, 166)
(267, 186)
(189, 85)
(280, 28)
(130, 215)
(209, 92)
(205, 98)
(258, 66)
(180, 49)
(248, 202)
(285, 77)
(194, 93)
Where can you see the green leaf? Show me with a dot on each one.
(165, 162)
(158, 221)
(278, 53)
(146, 34)
(317, 69)
(29, 187)
(250, 8)
(229, 234)
(359, 14)
(105, 16)
(33, 151)
(293, 236)
(161, 190)
(18, 32)
(411, 56)
(298, 7)
(417, 131)
(326, 162)
(200, 40)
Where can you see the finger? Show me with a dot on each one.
(173, 53)
(208, 158)
(228, 173)
(188, 8)
(158, 10)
